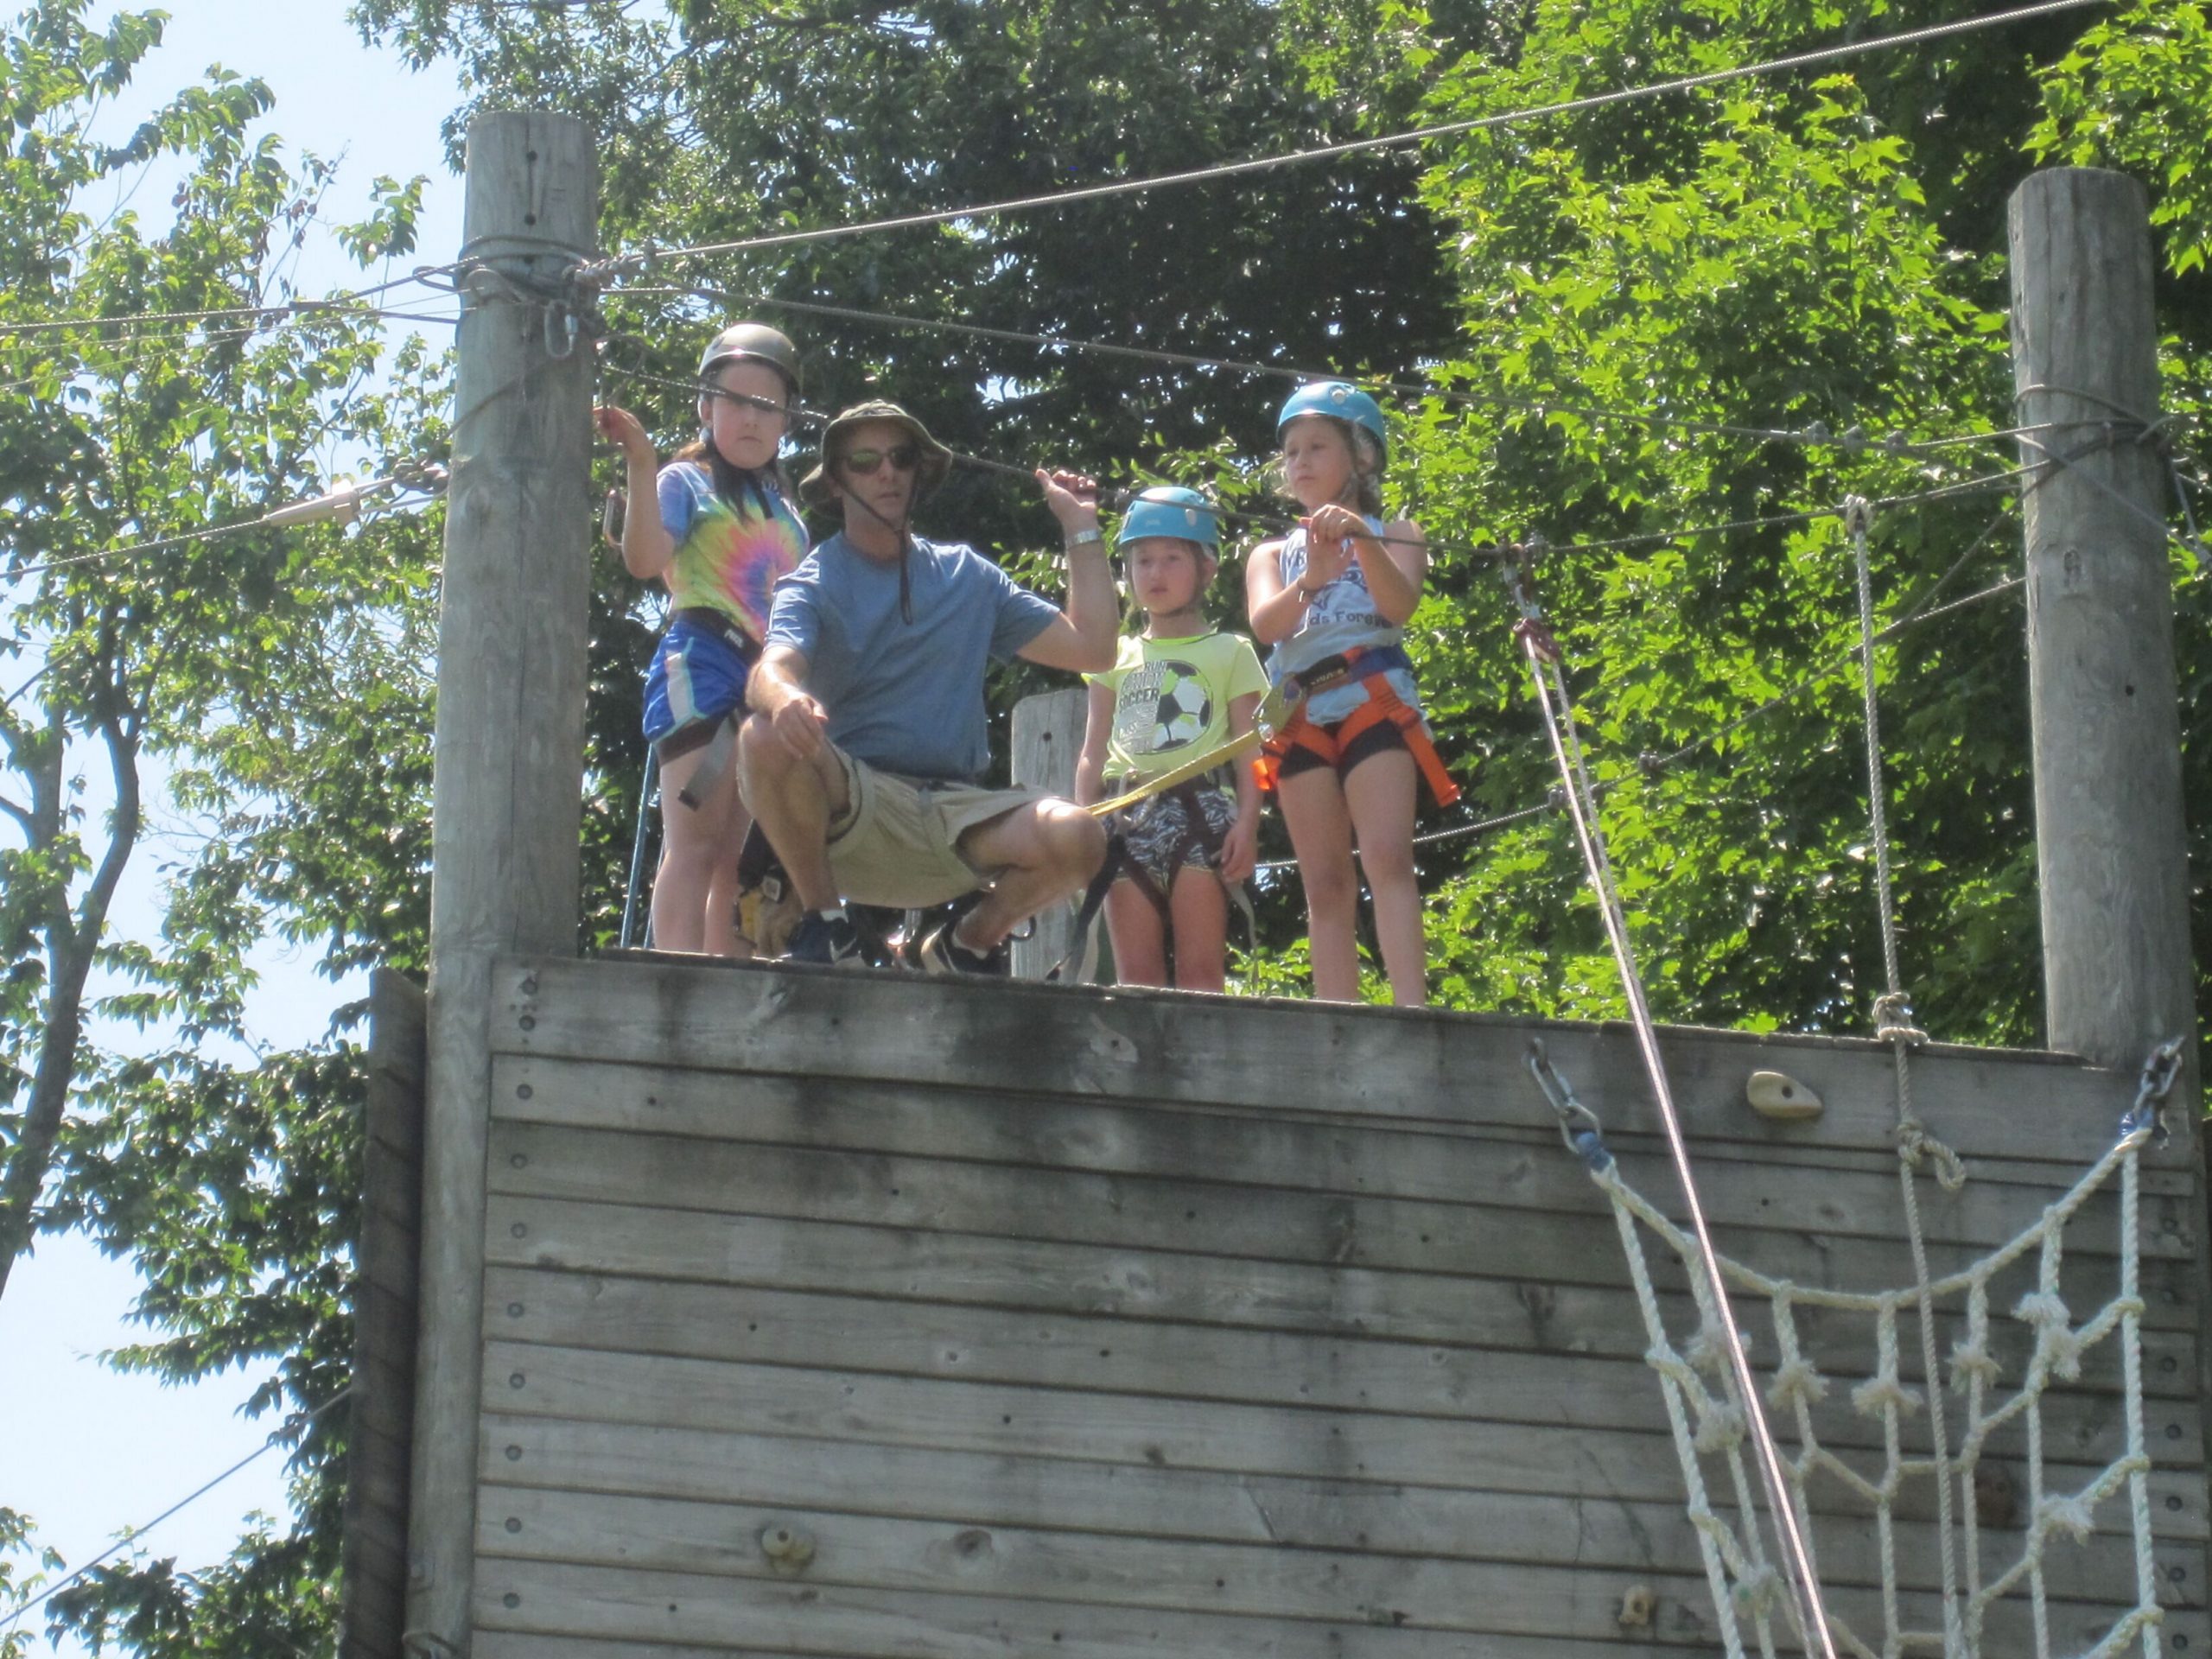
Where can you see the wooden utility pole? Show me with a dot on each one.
(507, 811)
(2101, 656)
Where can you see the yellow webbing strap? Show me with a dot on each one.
(1274, 713)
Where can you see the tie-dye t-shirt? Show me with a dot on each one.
(728, 557)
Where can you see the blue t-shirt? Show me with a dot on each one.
(906, 696)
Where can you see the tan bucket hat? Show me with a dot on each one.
(817, 489)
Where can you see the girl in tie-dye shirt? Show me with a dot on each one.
(725, 534)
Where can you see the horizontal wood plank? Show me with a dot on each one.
(1172, 1575)
(1389, 1063)
(518, 1644)
(1203, 1217)
(659, 1115)
(967, 1270)
(1198, 1508)
(1526, 1598)
(803, 1616)
(1132, 1431)
(1263, 1146)
(1164, 1361)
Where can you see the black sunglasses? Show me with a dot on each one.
(903, 457)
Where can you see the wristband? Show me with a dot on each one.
(1085, 538)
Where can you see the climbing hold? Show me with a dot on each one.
(787, 1548)
(1777, 1094)
(1637, 1603)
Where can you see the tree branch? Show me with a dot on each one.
(71, 941)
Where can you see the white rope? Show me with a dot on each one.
(1892, 1014)
(1806, 1611)
(1797, 1385)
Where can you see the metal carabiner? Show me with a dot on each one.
(1579, 1126)
(2160, 1067)
(560, 328)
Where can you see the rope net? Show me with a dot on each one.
(2012, 1316)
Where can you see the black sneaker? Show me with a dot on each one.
(826, 939)
(940, 953)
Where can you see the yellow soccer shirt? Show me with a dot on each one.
(1172, 697)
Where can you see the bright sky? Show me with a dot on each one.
(108, 1451)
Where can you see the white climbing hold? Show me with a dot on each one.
(1637, 1605)
(1781, 1097)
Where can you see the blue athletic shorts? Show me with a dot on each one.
(697, 677)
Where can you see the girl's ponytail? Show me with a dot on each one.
(1366, 469)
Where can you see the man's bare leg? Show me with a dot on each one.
(1044, 851)
(793, 798)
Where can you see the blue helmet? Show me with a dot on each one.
(1340, 401)
(1170, 509)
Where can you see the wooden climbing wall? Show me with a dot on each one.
(854, 1314)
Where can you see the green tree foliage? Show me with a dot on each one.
(277, 681)
(1815, 251)
(1784, 254)
(2131, 94)
(16, 1582)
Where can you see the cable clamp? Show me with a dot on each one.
(424, 477)
(1857, 515)
(1579, 1126)
(599, 272)
(1536, 639)
(1517, 570)
(2147, 1115)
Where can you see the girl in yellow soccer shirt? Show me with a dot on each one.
(725, 534)
(1180, 688)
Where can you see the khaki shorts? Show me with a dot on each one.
(895, 843)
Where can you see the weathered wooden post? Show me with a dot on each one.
(1047, 737)
(511, 637)
(2109, 831)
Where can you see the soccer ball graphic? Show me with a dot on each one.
(1181, 714)
(1162, 706)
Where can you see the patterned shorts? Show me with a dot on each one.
(1158, 832)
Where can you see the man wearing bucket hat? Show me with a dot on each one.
(863, 756)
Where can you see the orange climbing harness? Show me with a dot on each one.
(1371, 666)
